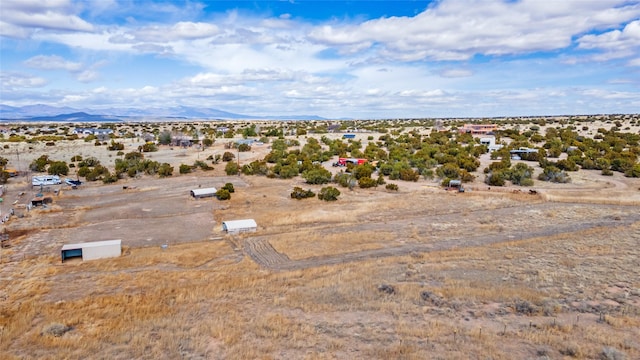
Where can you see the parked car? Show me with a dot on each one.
(73, 182)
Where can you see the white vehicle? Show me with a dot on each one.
(45, 180)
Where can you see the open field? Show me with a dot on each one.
(491, 273)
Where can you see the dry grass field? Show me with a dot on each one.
(421, 273)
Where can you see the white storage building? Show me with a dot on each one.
(203, 193)
(239, 226)
(92, 250)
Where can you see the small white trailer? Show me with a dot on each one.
(92, 250)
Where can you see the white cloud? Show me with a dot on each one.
(56, 62)
(88, 76)
(614, 44)
(457, 30)
(183, 30)
(20, 18)
(423, 65)
(14, 31)
(52, 62)
(15, 81)
(456, 73)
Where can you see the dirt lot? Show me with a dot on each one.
(419, 273)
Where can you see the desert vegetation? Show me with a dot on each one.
(536, 259)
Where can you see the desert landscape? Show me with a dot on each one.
(487, 270)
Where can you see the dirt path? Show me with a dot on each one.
(260, 250)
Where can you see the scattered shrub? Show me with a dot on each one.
(228, 156)
(367, 182)
(387, 289)
(392, 187)
(231, 168)
(58, 168)
(57, 329)
(299, 193)
(223, 194)
(229, 187)
(553, 174)
(317, 175)
(329, 193)
(244, 148)
(165, 170)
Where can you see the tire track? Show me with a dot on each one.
(260, 250)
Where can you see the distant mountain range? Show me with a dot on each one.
(41, 112)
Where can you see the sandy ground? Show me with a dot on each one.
(496, 272)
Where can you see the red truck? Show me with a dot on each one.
(345, 161)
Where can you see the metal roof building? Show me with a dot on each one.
(239, 226)
(92, 250)
(202, 193)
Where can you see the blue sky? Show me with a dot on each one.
(360, 59)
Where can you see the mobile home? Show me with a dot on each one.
(45, 180)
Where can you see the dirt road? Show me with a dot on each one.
(263, 253)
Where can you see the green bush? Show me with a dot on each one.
(39, 164)
(83, 171)
(134, 155)
(367, 182)
(229, 187)
(58, 168)
(115, 146)
(228, 156)
(409, 175)
(344, 179)
(165, 170)
(317, 175)
(495, 178)
(299, 193)
(633, 172)
(223, 194)
(553, 174)
(231, 168)
(164, 138)
(329, 193)
(391, 187)
(109, 178)
(185, 169)
(202, 165)
(149, 147)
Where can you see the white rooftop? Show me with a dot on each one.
(91, 244)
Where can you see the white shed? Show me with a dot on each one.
(202, 193)
(92, 250)
(239, 226)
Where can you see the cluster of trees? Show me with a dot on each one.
(608, 151)
(498, 172)
(396, 155)
(52, 167)
(134, 164)
(402, 157)
(92, 170)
